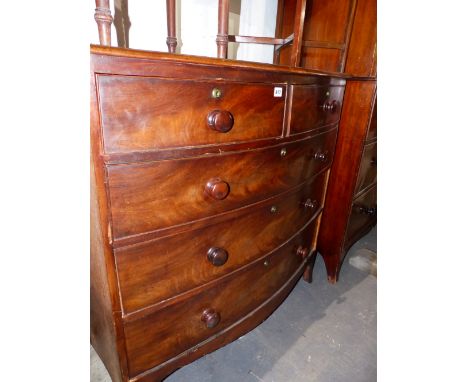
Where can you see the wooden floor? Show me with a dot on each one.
(321, 333)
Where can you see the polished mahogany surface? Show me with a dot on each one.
(354, 171)
(337, 36)
(180, 326)
(327, 29)
(156, 270)
(208, 204)
(314, 106)
(342, 36)
(138, 192)
(144, 113)
(362, 53)
(211, 180)
(326, 20)
(317, 57)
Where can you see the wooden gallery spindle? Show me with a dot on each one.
(298, 32)
(171, 40)
(103, 17)
(223, 21)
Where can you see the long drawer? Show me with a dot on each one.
(153, 271)
(368, 169)
(150, 196)
(363, 215)
(168, 332)
(147, 113)
(315, 106)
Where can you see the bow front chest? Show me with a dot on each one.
(207, 186)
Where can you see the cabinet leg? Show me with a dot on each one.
(307, 276)
(332, 264)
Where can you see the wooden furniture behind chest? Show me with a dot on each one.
(208, 184)
(341, 35)
(351, 204)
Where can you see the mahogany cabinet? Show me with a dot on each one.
(336, 35)
(341, 36)
(208, 180)
(351, 202)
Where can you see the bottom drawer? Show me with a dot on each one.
(161, 335)
(363, 215)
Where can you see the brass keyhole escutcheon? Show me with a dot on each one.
(274, 209)
(283, 152)
(266, 263)
(216, 93)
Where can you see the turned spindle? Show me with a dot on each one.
(103, 17)
(223, 21)
(171, 39)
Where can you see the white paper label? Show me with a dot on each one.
(278, 92)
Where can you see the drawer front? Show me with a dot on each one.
(368, 170)
(164, 334)
(363, 214)
(372, 131)
(151, 196)
(145, 113)
(315, 106)
(156, 270)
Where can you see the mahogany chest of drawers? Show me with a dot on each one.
(208, 183)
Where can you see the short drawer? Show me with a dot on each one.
(363, 215)
(156, 270)
(166, 333)
(314, 106)
(149, 196)
(147, 113)
(368, 170)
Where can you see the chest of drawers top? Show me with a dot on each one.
(164, 103)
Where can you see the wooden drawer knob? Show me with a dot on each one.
(217, 188)
(210, 317)
(310, 204)
(330, 106)
(217, 256)
(220, 120)
(302, 251)
(321, 156)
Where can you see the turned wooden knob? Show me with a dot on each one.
(310, 204)
(220, 120)
(330, 106)
(302, 251)
(217, 188)
(321, 156)
(217, 256)
(210, 317)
